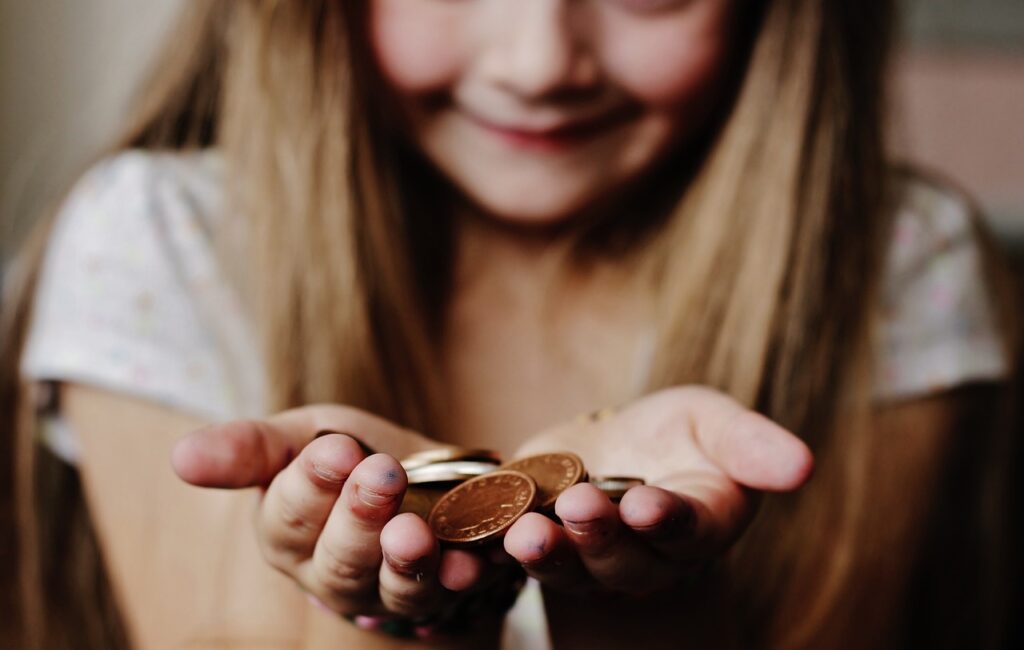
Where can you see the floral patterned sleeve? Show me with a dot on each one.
(130, 298)
(937, 326)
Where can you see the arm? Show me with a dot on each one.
(185, 562)
(203, 583)
(931, 455)
(910, 485)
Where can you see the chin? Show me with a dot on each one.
(524, 209)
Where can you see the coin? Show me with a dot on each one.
(482, 508)
(458, 470)
(616, 486)
(420, 500)
(448, 454)
(553, 473)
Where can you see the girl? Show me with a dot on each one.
(419, 222)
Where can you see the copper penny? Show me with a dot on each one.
(420, 500)
(554, 473)
(482, 508)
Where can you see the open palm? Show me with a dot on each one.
(704, 457)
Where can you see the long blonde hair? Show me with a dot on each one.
(767, 270)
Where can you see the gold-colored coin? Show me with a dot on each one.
(458, 470)
(448, 454)
(420, 499)
(554, 473)
(616, 486)
(482, 508)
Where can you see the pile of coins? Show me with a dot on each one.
(469, 497)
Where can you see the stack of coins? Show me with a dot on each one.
(469, 498)
(434, 472)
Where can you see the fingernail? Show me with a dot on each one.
(373, 498)
(589, 527)
(595, 534)
(409, 568)
(327, 474)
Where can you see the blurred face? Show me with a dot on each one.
(538, 109)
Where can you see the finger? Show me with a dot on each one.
(543, 549)
(721, 510)
(616, 559)
(347, 557)
(238, 454)
(247, 453)
(460, 570)
(408, 577)
(299, 500)
(665, 520)
(746, 445)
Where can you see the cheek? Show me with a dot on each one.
(671, 64)
(670, 82)
(416, 43)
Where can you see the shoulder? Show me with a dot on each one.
(933, 221)
(937, 319)
(131, 295)
(138, 226)
(135, 185)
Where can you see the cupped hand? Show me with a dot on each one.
(704, 457)
(327, 514)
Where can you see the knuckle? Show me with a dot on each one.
(408, 602)
(343, 574)
(284, 536)
(296, 521)
(277, 557)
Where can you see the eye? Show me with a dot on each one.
(649, 6)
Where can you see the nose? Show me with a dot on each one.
(534, 50)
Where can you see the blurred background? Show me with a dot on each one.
(67, 69)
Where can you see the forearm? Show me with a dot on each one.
(327, 631)
(694, 616)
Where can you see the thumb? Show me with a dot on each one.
(750, 448)
(237, 454)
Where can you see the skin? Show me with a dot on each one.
(480, 84)
(536, 111)
(486, 86)
(328, 519)
(209, 586)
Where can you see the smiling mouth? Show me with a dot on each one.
(557, 138)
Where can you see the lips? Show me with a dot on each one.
(556, 136)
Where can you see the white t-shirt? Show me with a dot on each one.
(132, 297)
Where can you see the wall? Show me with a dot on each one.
(66, 69)
(68, 66)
